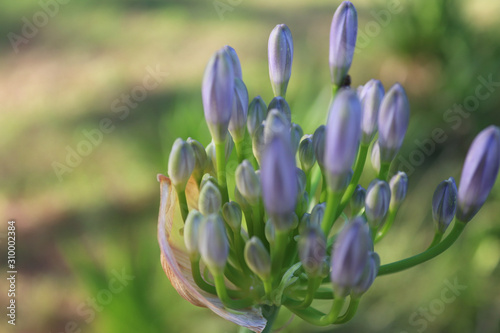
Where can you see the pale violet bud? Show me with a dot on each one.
(301, 182)
(257, 113)
(248, 182)
(235, 60)
(393, 119)
(201, 159)
(349, 256)
(296, 133)
(306, 153)
(369, 275)
(258, 142)
(275, 124)
(444, 204)
(208, 178)
(378, 197)
(399, 188)
(210, 200)
(280, 104)
(181, 163)
(343, 132)
(238, 121)
(214, 245)
(358, 200)
(232, 214)
(312, 250)
(270, 232)
(372, 95)
(375, 157)
(279, 181)
(191, 233)
(305, 222)
(317, 214)
(218, 94)
(280, 57)
(257, 258)
(319, 145)
(343, 33)
(479, 173)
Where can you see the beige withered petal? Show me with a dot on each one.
(175, 260)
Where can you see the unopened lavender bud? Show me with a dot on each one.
(191, 233)
(248, 182)
(218, 94)
(319, 145)
(378, 197)
(301, 182)
(214, 245)
(393, 121)
(479, 173)
(375, 157)
(312, 250)
(210, 200)
(372, 95)
(349, 256)
(270, 231)
(235, 60)
(238, 121)
(278, 179)
(444, 204)
(306, 153)
(280, 104)
(257, 258)
(280, 56)
(181, 163)
(296, 133)
(358, 200)
(208, 178)
(276, 124)
(232, 214)
(258, 142)
(201, 159)
(257, 113)
(305, 222)
(343, 132)
(399, 188)
(343, 33)
(369, 275)
(317, 214)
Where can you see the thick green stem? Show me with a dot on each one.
(437, 238)
(358, 170)
(277, 254)
(384, 171)
(312, 286)
(351, 311)
(387, 225)
(332, 205)
(181, 195)
(223, 295)
(220, 153)
(270, 313)
(318, 318)
(240, 150)
(426, 255)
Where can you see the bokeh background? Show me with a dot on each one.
(79, 226)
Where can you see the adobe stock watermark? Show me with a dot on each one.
(424, 315)
(223, 6)
(32, 25)
(454, 117)
(121, 107)
(87, 310)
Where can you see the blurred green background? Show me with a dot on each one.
(80, 226)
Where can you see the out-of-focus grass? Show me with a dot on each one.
(101, 217)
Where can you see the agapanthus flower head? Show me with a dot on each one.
(280, 57)
(238, 121)
(371, 98)
(444, 204)
(378, 197)
(257, 113)
(218, 94)
(343, 34)
(479, 173)
(181, 163)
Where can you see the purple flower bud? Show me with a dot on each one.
(282, 106)
(181, 163)
(317, 214)
(349, 256)
(306, 153)
(276, 124)
(319, 145)
(257, 112)
(399, 188)
(257, 258)
(214, 245)
(444, 204)
(369, 275)
(235, 60)
(279, 181)
(301, 182)
(372, 95)
(232, 214)
(312, 250)
(248, 182)
(358, 200)
(258, 142)
(393, 121)
(191, 233)
(343, 132)
(210, 200)
(375, 157)
(218, 94)
(238, 121)
(280, 56)
(479, 173)
(378, 197)
(208, 178)
(296, 133)
(343, 33)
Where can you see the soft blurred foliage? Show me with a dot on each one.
(99, 218)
